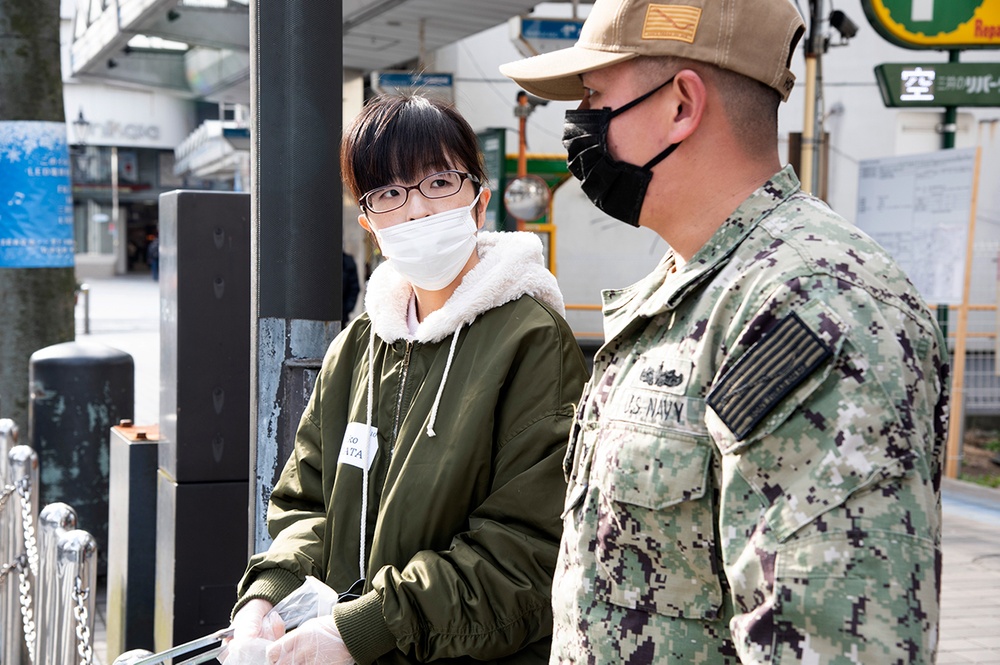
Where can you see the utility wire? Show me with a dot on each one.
(499, 93)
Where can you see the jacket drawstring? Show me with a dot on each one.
(365, 447)
(368, 427)
(437, 399)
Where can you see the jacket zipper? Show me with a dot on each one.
(399, 398)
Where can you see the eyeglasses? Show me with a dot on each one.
(435, 186)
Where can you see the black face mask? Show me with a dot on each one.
(616, 188)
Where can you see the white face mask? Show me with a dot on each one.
(431, 251)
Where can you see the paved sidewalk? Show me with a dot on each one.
(970, 593)
(124, 314)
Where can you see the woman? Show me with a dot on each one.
(462, 377)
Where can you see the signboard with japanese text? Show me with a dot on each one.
(534, 36)
(918, 208)
(939, 84)
(493, 145)
(36, 200)
(936, 24)
(438, 85)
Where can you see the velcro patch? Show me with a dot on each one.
(676, 22)
(783, 358)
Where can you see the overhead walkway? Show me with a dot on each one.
(201, 48)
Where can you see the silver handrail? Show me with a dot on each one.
(48, 569)
(76, 575)
(54, 521)
(19, 557)
(11, 648)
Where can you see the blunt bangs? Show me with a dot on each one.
(400, 139)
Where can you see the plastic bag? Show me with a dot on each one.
(310, 600)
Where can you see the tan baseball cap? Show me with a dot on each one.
(755, 38)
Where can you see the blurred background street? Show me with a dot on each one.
(109, 109)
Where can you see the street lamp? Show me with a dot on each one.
(81, 128)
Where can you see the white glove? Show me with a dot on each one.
(315, 642)
(258, 623)
(255, 626)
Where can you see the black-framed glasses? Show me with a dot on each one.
(438, 185)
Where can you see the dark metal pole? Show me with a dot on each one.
(950, 125)
(296, 81)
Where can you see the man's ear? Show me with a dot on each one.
(687, 99)
(484, 200)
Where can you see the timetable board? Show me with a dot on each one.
(918, 208)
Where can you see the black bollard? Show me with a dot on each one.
(78, 392)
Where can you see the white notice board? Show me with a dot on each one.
(918, 208)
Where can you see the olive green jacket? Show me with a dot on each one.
(462, 527)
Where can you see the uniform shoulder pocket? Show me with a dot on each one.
(831, 436)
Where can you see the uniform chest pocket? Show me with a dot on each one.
(655, 542)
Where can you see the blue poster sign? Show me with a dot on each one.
(547, 28)
(36, 199)
(406, 80)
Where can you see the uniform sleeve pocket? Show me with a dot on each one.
(831, 577)
(654, 538)
(772, 378)
(832, 434)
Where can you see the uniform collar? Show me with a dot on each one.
(663, 290)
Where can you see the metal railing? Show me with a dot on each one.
(981, 386)
(48, 568)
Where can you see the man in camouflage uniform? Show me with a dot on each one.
(754, 475)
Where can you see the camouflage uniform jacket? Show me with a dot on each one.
(754, 472)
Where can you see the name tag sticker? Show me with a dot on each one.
(352, 450)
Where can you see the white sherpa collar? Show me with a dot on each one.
(510, 266)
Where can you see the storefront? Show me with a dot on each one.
(121, 147)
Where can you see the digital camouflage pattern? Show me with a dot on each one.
(754, 473)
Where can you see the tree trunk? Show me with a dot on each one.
(36, 304)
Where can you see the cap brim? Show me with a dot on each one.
(556, 75)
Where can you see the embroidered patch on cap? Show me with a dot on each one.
(783, 358)
(677, 22)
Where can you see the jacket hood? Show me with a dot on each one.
(510, 266)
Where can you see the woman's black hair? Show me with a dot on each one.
(399, 139)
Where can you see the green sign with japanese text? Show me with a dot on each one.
(493, 145)
(936, 24)
(939, 84)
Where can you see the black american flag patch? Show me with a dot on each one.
(782, 359)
